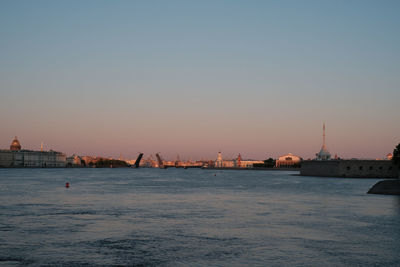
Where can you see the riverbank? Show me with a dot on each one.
(386, 187)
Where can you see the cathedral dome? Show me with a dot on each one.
(15, 145)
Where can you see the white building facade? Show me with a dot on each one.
(288, 161)
(16, 157)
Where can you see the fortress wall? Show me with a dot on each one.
(368, 169)
(350, 168)
(320, 168)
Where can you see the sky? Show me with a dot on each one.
(193, 78)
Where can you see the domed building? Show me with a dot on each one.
(323, 153)
(288, 161)
(15, 157)
(15, 145)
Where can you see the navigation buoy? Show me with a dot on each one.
(67, 185)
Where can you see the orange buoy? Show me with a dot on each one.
(67, 185)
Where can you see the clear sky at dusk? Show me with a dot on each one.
(197, 77)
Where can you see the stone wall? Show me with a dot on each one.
(320, 168)
(368, 168)
(350, 168)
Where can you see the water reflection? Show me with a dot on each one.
(396, 201)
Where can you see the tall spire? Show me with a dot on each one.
(323, 153)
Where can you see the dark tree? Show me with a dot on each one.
(269, 163)
(107, 163)
(396, 155)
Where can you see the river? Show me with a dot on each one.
(177, 217)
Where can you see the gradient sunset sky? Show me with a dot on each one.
(197, 77)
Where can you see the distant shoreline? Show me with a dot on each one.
(255, 169)
(213, 169)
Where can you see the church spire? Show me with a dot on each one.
(323, 153)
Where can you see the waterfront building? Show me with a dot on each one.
(323, 154)
(149, 162)
(249, 163)
(219, 161)
(234, 163)
(75, 161)
(288, 161)
(228, 163)
(239, 162)
(18, 157)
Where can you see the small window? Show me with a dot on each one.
(390, 167)
(370, 168)
(348, 168)
(360, 168)
(380, 167)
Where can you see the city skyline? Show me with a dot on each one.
(260, 78)
(178, 156)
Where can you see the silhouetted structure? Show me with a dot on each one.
(137, 162)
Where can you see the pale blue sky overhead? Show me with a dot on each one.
(197, 77)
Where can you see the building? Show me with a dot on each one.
(149, 162)
(15, 145)
(239, 162)
(323, 154)
(228, 164)
(221, 163)
(234, 163)
(18, 157)
(75, 161)
(288, 161)
(249, 163)
(324, 166)
(350, 168)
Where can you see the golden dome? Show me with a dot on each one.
(15, 145)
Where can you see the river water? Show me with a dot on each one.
(176, 217)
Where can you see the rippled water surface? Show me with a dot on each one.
(176, 217)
